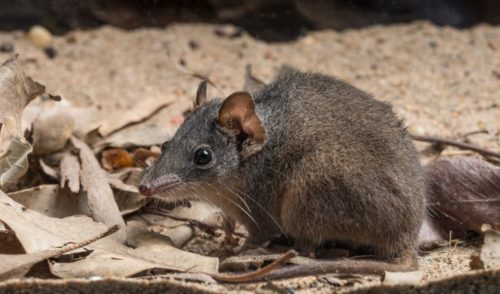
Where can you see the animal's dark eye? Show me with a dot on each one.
(202, 156)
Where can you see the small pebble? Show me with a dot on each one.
(95, 278)
(6, 47)
(229, 32)
(50, 52)
(417, 130)
(40, 36)
(219, 32)
(193, 45)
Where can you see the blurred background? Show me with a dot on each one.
(270, 20)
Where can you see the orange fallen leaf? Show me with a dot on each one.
(116, 158)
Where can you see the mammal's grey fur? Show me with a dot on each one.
(336, 165)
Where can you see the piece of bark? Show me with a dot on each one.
(98, 193)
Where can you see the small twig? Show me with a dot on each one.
(258, 274)
(74, 246)
(436, 140)
(191, 73)
(475, 133)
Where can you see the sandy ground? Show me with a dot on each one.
(442, 81)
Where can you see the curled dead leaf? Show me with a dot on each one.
(463, 194)
(98, 194)
(14, 161)
(116, 158)
(16, 91)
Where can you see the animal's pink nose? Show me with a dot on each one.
(145, 190)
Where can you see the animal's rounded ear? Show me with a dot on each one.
(201, 94)
(237, 117)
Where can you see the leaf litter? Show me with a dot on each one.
(46, 216)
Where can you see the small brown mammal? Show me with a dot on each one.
(307, 155)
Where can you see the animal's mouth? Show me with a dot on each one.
(152, 191)
(159, 185)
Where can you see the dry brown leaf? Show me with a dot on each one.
(148, 133)
(16, 91)
(120, 185)
(127, 197)
(110, 257)
(86, 119)
(70, 172)
(14, 162)
(490, 252)
(152, 252)
(99, 196)
(38, 232)
(139, 135)
(49, 200)
(464, 194)
(178, 232)
(51, 130)
(142, 112)
(17, 265)
(116, 158)
(141, 155)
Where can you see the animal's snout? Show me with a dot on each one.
(151, 186)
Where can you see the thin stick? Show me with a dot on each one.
(74, 246)
(258, 274)
(460, 145)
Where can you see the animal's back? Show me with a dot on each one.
(347, 170)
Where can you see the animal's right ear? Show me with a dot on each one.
(237, 118)
(201, 94)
